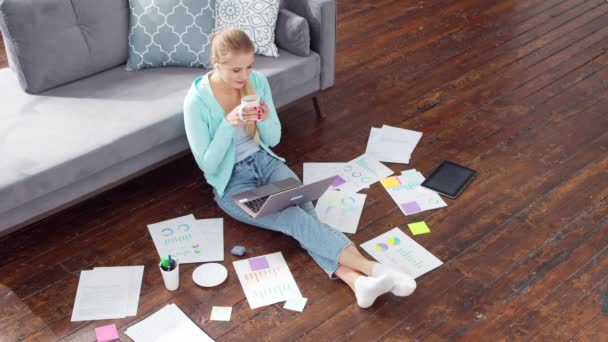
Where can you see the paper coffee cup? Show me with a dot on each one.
(248, 101)
(171, 278)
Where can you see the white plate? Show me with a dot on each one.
(211, 274)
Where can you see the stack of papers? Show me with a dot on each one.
(392, 144)
(266, 280)
(168, 324)
(399, 250)
(360, 173)
(409, 195)
(108, 293)
(189, 240)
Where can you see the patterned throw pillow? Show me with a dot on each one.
(170, 33)
(257, 18)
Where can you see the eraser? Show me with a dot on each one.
(238, 250)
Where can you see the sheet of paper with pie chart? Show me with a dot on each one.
(189, 240)
(397, 249)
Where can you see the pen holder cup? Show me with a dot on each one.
(171, 278)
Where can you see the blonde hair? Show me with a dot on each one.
(223, 44)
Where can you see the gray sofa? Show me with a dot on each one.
(68, 143)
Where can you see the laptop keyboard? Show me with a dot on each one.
(256, 204)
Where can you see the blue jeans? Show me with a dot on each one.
(322, 242)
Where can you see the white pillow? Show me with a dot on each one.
(257, 18)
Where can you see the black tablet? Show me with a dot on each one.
(449, 179)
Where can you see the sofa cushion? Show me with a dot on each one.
(58, 41)
(290, 76)
(66, 134)
(292, 33)
(170, 33)
(257, 18)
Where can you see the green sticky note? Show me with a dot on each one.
(419, 228)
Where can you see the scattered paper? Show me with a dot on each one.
(98, 297)
(168, 324)
(397, 249)
(221, 313)
(211, 247)
(314, 172)
(266, 280)
(419, 228)
(135, 275)
(392, 144)
(341, 210)
(106, 333)
(360, 173)
(189, 240)
(409, 195)
(296, 304)
(107, 293)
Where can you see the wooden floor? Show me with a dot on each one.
(517, 90)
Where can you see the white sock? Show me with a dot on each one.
(367, 289)
(404, 284)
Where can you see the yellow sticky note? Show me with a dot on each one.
(419, 228)
(390, 182)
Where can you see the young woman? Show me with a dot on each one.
(235, 156)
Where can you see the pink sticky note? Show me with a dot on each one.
(106, 333)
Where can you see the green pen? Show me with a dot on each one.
(164, 263)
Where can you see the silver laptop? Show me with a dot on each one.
(277, 196)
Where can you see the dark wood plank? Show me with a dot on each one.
(3, 56)
(508, 118)
(436, 282)
(596, 330)
(574, 318)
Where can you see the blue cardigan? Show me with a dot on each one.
(210, 135)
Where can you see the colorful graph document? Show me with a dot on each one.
(397, 249)
(360, 173)
(266, 280)
(392, 144)
(168, 324)
(107, 293)
(411, 198)
(189, 240)
(313, 172)
(341, 210)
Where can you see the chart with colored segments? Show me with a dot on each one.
(266, 280)
(409, 196)
(259, 276)
(189, 240)
(340, 210)
(360, 173)
(399, 250)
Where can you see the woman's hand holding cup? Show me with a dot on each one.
(250, 108)
(249, 113)
(233, 117)
(264, 112)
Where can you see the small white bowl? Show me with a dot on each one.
(211, 274)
